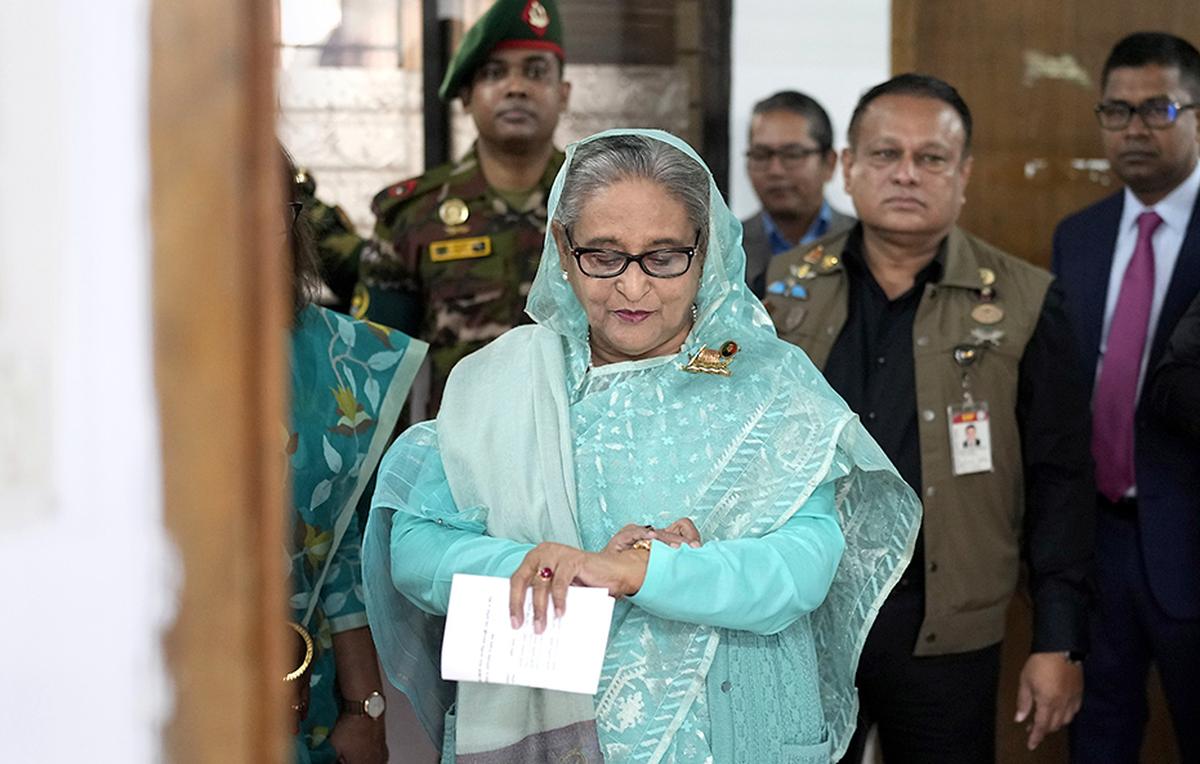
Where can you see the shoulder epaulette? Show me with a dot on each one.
(405, 190)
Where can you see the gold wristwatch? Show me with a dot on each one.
(373, 706)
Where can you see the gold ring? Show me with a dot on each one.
(308, 653)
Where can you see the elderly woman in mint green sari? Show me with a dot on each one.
(651, 435)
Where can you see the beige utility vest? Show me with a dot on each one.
(972, 523)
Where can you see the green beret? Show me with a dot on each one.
(533, 24)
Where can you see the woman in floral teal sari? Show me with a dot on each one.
(349, 380)
(650, 404)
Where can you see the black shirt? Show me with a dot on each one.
(871, 367)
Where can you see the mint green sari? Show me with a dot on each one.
(534, 444)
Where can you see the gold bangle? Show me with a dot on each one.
(308, 653)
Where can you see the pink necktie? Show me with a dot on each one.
(1115, 400)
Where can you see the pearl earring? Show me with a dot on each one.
(564, 275)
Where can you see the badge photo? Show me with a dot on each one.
(970, 438)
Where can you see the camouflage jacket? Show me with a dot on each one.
(451, 262)
(338, 245)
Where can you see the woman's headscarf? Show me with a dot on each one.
(724, 302)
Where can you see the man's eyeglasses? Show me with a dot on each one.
(667, 263)
(1156, 113)
(790, 156)
(295, 208)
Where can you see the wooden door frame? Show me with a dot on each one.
(220, 315)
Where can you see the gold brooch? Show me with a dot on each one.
(709, 361)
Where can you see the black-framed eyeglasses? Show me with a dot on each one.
(1156, 113)
(790, 156)
(296, 208)
(666, 263)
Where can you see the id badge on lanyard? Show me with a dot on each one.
(970, 425)
(970, 438)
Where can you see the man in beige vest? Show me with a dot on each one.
(927, 331)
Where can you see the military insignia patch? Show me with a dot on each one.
(802, 271)
(453, 212)
(537, 17)
(460, 249)
(813, 256)
(403, 188)
(987, 313)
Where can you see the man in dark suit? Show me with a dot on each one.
(1130, 265)
(789, 161)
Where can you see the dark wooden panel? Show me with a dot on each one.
(619, 31)
(1030, 72)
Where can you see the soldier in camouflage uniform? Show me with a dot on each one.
(456, 249)
(339, 247)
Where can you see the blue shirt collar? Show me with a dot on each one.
(779, 242)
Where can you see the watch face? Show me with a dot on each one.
(374, 705)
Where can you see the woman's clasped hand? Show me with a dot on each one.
(549, 569)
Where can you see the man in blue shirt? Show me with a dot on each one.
(789, 161)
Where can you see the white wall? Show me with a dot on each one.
(833, 51)
(83, 553)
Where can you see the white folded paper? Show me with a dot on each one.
(480, 644)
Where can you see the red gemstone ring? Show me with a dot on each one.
(546, 573)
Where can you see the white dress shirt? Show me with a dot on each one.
(1175, 209)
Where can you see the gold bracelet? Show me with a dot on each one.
(308, 653)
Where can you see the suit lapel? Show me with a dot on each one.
(756, 246)
(1094, 274)
(1185, 283)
